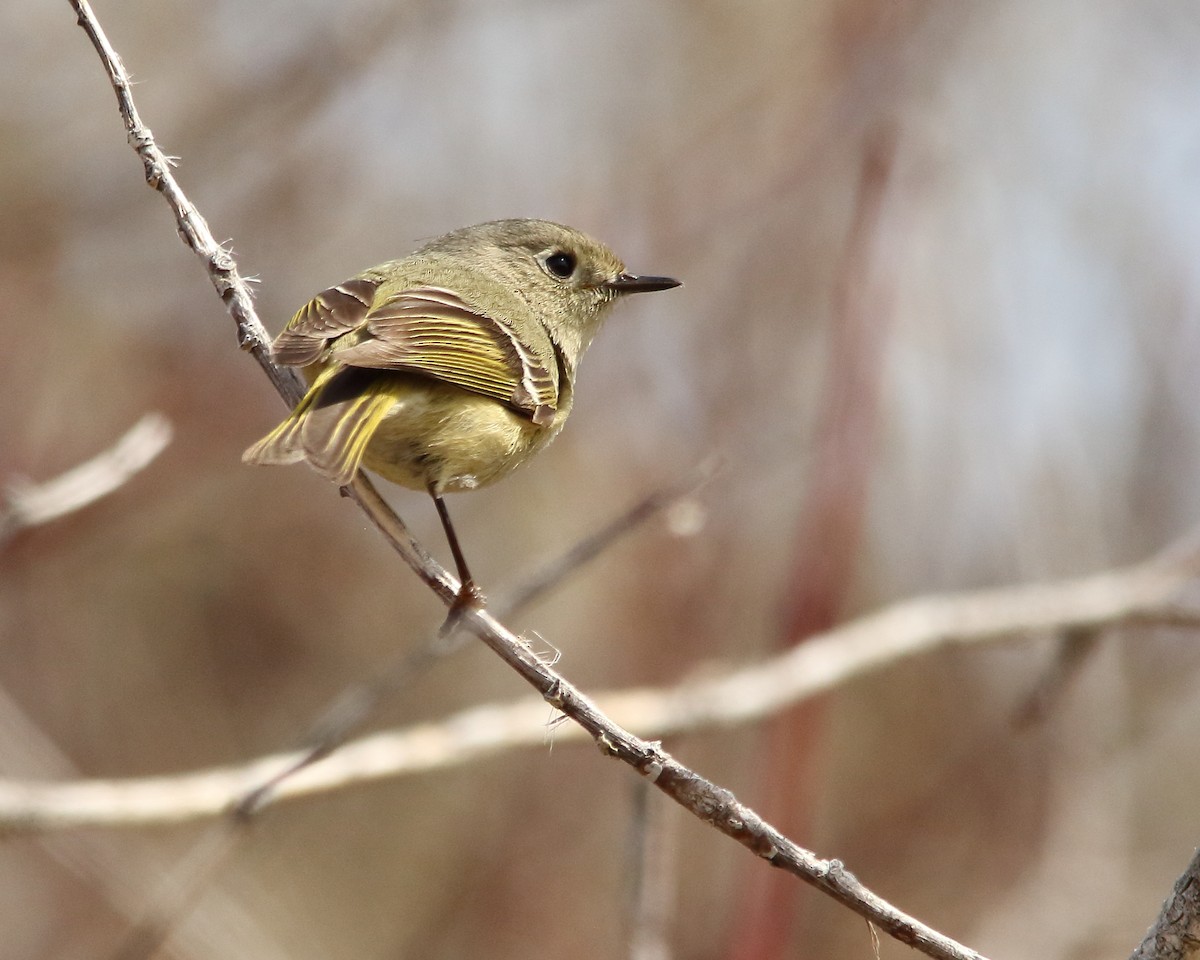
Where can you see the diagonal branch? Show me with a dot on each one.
(31, 505)
(1175, 934)
(193, 229)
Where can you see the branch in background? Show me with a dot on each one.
(1133, 595)
(1075, 649)
(30, 505)
(221, 925)
(672, 496)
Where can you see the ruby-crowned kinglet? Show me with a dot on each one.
(447, 369)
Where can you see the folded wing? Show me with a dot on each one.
(430, 331)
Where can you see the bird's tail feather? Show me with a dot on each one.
(330, 428)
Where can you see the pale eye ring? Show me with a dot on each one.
(560, 264)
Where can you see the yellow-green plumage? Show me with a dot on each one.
(446, 369)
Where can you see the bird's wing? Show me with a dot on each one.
(432, 331)
(327, 316)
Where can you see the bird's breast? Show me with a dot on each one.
(440, 436)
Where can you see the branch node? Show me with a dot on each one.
(553, 695)
(222, 260)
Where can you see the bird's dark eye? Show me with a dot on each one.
(561, 264)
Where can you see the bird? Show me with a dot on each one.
(445, 370)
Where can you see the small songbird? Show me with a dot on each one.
(447, 369)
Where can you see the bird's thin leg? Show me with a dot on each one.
(468, 594)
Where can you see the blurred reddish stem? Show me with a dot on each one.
(827, 540)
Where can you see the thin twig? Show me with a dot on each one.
(180, 893)
(32, 504)
(587, 549)
(1075, 649)
(235, 293)
(193, 229)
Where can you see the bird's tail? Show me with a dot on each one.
(330, 427)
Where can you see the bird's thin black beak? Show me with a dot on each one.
(628, 283)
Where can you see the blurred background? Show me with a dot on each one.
(940, 322)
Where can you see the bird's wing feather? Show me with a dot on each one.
(432, 331)
(327, 316)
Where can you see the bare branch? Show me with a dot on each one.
(193, 230)
(1176, 933)
(351, 710)
(1075, 649)
(30, 504)
(123, 874)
